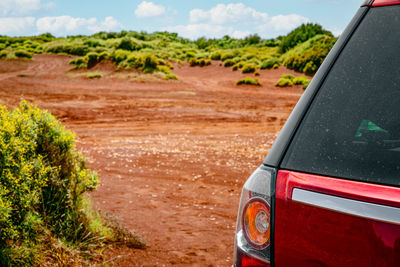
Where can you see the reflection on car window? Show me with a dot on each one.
(367, 126)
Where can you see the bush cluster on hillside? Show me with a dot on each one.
(303, 50)
(308, 56)
(300, 35)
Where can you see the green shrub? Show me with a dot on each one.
(170, 76)
(249, 81)
(129, 44)
(301, 34)
(229, 63)
(65, 47)
(94, 75)
(23, 54)
(287, 80)
(304, 81)
(43, 179)
(164, 69)
(80, 63)
(215, 55)
(199, 62)
(284, 82)
(92, 59)
(269, 63)
(235, 67)
(307, 57)
(190, 54)
(92, 43)
(227, 55)
(288, 76)
(3, 54)
(119, 55)
(249, 68)
(149, 61)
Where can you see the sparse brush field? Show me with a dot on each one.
(302, 50)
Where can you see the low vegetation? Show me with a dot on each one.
(248, 81)
(94, 75)
(302, 50)
(45, 214)
(288, 80)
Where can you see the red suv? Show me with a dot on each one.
(328, 193)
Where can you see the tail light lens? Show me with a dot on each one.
(253, 230)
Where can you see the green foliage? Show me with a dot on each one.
(215, 55)
(42, 181)
(304, 81)
(249, 81)
(92, 43)
(119, 55)
(129, 44)
(94, 75)
(228, 55)
(288, 80)
(65, 47)
(252, 40)
(269, 63)
(170, 76)
(249, 68)
(284, 82)
(199, 62)
(229, 63)
(301, 34)
(307, 57)
(3, 54)
(301, 52)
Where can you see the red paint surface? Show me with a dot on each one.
(311, 236)
(385, 2)
(248, 261)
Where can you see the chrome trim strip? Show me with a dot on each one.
(349, 206)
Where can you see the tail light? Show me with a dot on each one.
(253, 230)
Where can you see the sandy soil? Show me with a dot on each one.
(171, 155)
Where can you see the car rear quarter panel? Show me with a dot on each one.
(309, 235)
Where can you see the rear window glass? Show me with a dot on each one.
(352, 129)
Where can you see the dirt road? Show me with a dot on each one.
(171, 155)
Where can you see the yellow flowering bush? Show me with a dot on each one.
(42, 177)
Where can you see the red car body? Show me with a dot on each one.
(328, 193)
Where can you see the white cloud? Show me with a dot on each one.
(239, 20)
(335, 31)
(22, 7)
(17, 26)
(149, 9)
(231, 13)
(194, 31)
(287, 22)
(108, 24)
(67, 25)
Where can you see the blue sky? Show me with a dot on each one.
(191, 19)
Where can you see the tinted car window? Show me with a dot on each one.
(352, 129)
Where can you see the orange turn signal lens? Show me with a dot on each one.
(256, 223)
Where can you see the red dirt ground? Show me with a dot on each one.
(171, 155)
